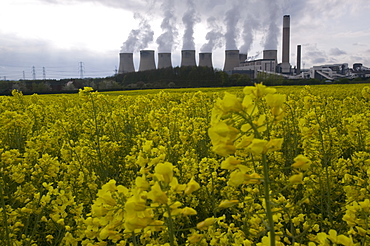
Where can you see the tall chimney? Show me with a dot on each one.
(285, 65)
(205, 60)
(146, 60)
(188, 58)
(286, 38)
(231, 59)
(299, 58)
(164, 60)
(126, 63)
(243, 57)
(270, 54)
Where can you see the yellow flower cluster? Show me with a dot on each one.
(228, 166)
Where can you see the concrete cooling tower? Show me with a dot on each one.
(126, 63)
(188, 58)
(205, 60)
(270, 54)
(243, 57)
(231, 59)
(164, 60)
(146, 60)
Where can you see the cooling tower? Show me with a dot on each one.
(164, 60)
(146, 60)
(126, 63)
(243, 57)
(286, 38)
(270, 54)
(299, 59)
(231, 59)
(188, 58)
(205, 60)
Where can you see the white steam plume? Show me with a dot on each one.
(232, 17)
(166, 40)
(138, 38)
(273, 31)
(249, 27)
(214, 37)
(189, 19)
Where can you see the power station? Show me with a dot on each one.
(236, 62)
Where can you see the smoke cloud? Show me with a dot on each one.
(139, 38)
(214, 37)
(231, 19)
(250, 24)
(273, 30)
(166, 40)
(189, 19)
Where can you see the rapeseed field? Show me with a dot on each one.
(257, 165)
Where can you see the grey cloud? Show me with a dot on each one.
(16, 58)
(336, 52)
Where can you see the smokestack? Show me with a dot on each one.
(126, 63)
(286, 38)
(146, 60)
(205, 60)
(231, 59)
(164, 60)
(243, 57)
(299, 54)
(270, 54)
(188, 58)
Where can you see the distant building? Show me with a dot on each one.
(255, 66)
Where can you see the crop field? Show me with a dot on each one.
(249, 166)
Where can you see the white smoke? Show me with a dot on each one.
(232, 32)
(166, 40)
(139, 38)
(189, 19)
(273, 30)
(214, 37)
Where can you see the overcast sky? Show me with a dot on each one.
(58, 38)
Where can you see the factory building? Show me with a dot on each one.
(330, 72)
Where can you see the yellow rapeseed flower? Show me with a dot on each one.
(301, 162)
(191, 186)
(228, 203)
(257, 146)
(164, 172)
(230, 163)
(157, 195)
(231, 102)
(206, 223)
(296, 178)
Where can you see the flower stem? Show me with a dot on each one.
(266, 186)
(170, 226)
